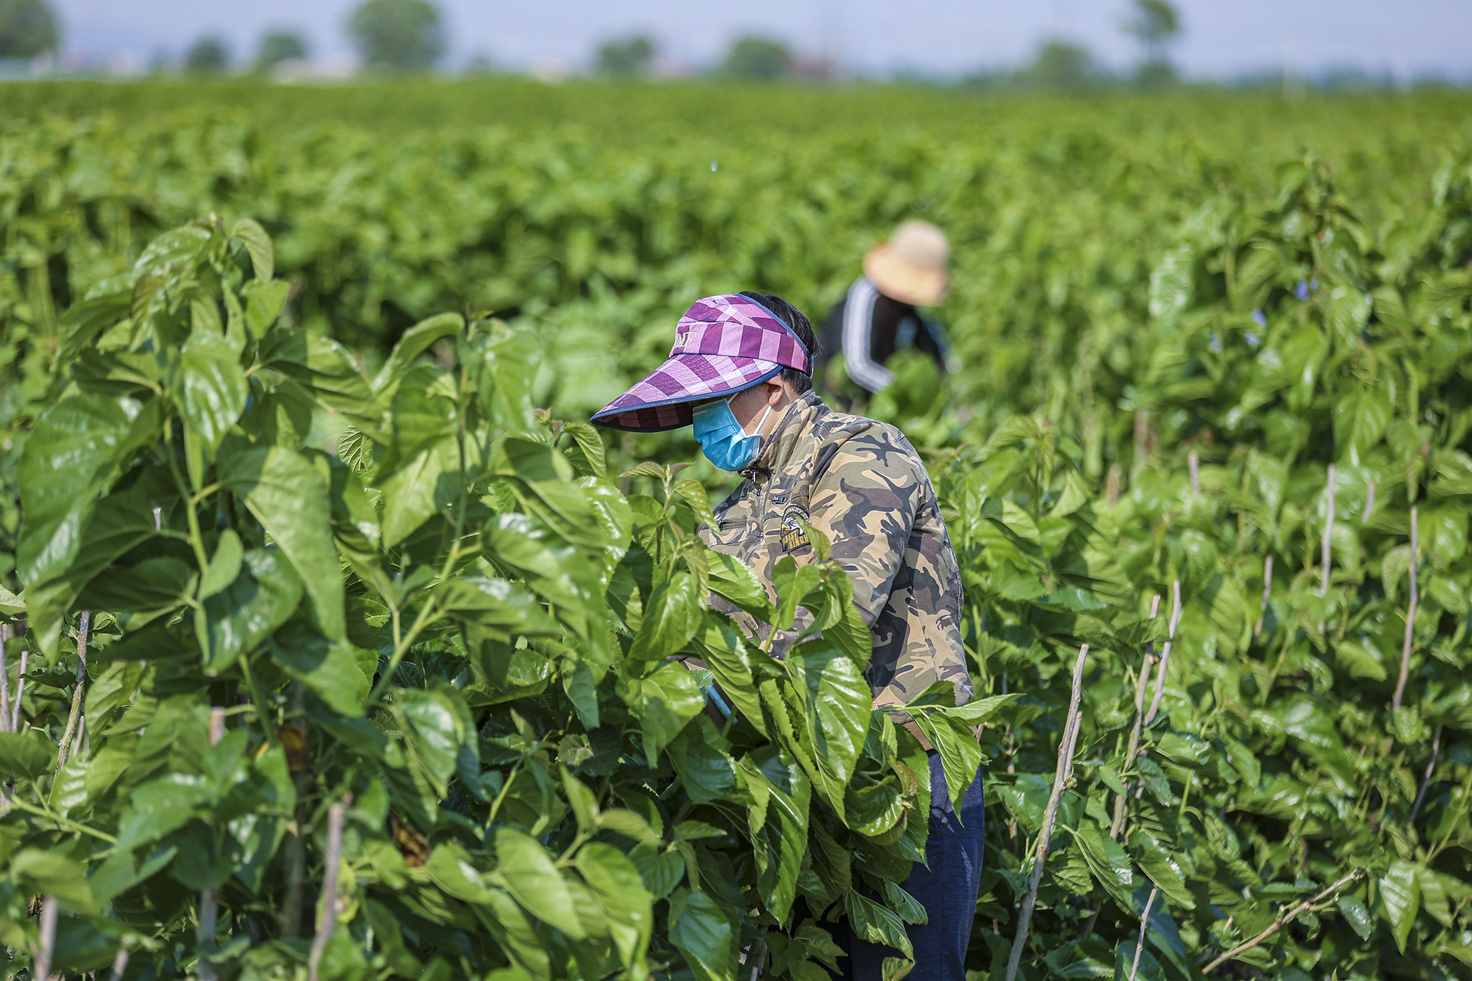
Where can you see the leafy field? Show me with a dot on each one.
(361, 622)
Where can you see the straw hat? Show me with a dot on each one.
(911, 266)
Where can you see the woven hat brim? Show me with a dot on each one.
(902, 281)
(664, 398)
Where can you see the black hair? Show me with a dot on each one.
(800, 325)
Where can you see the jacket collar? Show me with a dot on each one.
(796, 422)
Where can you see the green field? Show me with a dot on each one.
(273, 362)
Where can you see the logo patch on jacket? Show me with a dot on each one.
(794, 536)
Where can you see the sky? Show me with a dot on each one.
(1221, 38)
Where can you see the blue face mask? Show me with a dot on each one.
(721, 437)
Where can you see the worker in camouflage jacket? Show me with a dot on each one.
(740, 374)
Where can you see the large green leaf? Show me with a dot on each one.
(238, 618)
(1400, 892)
(288, 496)
(210, 388)
(528, 873)
(700, 931)
(664, 701)
(74, 450)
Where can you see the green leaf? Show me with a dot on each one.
(875, 923)
(258, 244)
(49, 873)
(700, 931)
(836, 701)
(210, 388)
(433, 734)
(263, 596)
(664, 701)
(74, 450)
(330, 668)
(224, 566)
(1400, 892)
(672, 614)
(619, 889)
(28, 754)
(1356, 915)
(529, 875)
(289, 497)
(415, 341)
(1109, 864)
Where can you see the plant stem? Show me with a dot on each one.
(78, 690)
(41, 971)
(1325, 556)
(1140, 944)
(1120, 801)
(1175, 619)
(1421, 794)
(1193, 466)
(1284, 918)
(331, 861)
(209, 904)
(67, 823)
(1050, 815)
(1405, 651)
(1369, 503)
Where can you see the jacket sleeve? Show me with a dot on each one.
(865, 502)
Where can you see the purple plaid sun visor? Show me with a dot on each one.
(723, 344)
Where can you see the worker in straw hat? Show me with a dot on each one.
(740, 373)
(880, 317)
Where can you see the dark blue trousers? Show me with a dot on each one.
(946, 885)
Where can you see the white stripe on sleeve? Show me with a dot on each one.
(858, 320)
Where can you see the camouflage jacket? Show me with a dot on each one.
(862, 484)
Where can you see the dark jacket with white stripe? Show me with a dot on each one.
(865, 330)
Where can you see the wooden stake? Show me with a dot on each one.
(331, 860)
(1369, 503)
(1140, 944)
(46, 954)
(4, 680)
(1267, 586)
(120, 962)
(209, 903)
(1120, 801)
(1284, 918)
(20, 690)
(1175, 619)
(1326, 556)
(78, 691)
(1050, 814)
(1405, 650)
(1193, 465)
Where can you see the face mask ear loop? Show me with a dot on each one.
(763, 421)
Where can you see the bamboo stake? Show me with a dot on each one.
(4, 680)
(1325, 556)
(1142, 441)
(329, 890)
(1050, 814)
(1421, 794)
(1120, 800)
(45, 955)
(1175, 619)
(78, 690)
(209, 903)
(1267, 585)
(757, 956)
(1405, 651)
(1284, 918)
(1193, 464)
(1140, 944)
(1369, 503)
(20, 690)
